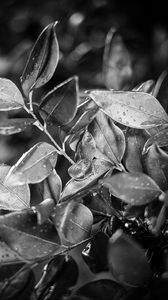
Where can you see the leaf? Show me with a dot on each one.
(10, 96)
(28, 247)
(42, 61)
(109, 139)
(95, 253)
(86, 148)
(7, 255)
(44, 210)
(19, 286)
(34, 165)
(100, 167)
(132, 188)
(156, 162)
(135, 140)
(146, 87)
(81, 170)
(133, 109)
(161, 90)
(160, 138)
(55, 185)
(127, 261)
(103, 289)
(59, 106)
(73, 221)
(12, 198)
(12, 126)
(117, 62)
(62, 281)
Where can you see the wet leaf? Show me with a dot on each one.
(95, 253)
(42, 61)
(156, 162)
(12, 198)
(135, 140)
(7, 255)
(109, 139)
(12, 126)
(55, 185)
(117, 62)
(146, 87)
(160, 138)
(73, 221)
(34, 165)
(81, 170)
(100, 167)
(10, 96)
(103, 289)
(133, 109)
(28, 247)
(87, 147)
(59, 106)
(20, 286)
(132, 188)
(127, 260)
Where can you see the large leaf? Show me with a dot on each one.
(103, 289)
(133, 109)
(117, 62)
(12, 126)
(73, 221)
(127, 261)
(33, 166)
(156, 162)
(10, 96)
(135, 140)
(13, 198)
(160, 138)
(42, 61)
(100, 167)
(132, 188)
(109, 139)
(19, 286)
(59, 106)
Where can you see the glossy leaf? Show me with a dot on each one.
(160, 138)
(100, 167)
(146, 87)
(59, 106)
(132, 188)
(44, 210)
(103, 289)
(12, 126)
(28, 247)
(86, 147)
(73, 221)
(95, 253)
(55, 185)
(20, 286)
(133, 109)
(117, 62)
(12, 198)
(135, 140)
(7, 255)
(156, 162)
(127, 260)
(109, 139)
(81, 170)
(42, 61)
(10, 96)
(33, 166)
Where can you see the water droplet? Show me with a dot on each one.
(124, 113)
(141, 107)
(119, 119)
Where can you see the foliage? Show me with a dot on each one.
(116, 199)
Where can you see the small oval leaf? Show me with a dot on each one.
(132, 188)
(127, 261)
(133, 109)
(33, 166)
(160, 138)
(73, 221)
(12, 126)
(10, 96)
(59, 106)
(13, 198)
(42, 61)
(86, 148)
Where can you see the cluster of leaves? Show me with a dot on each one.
(116, 199)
